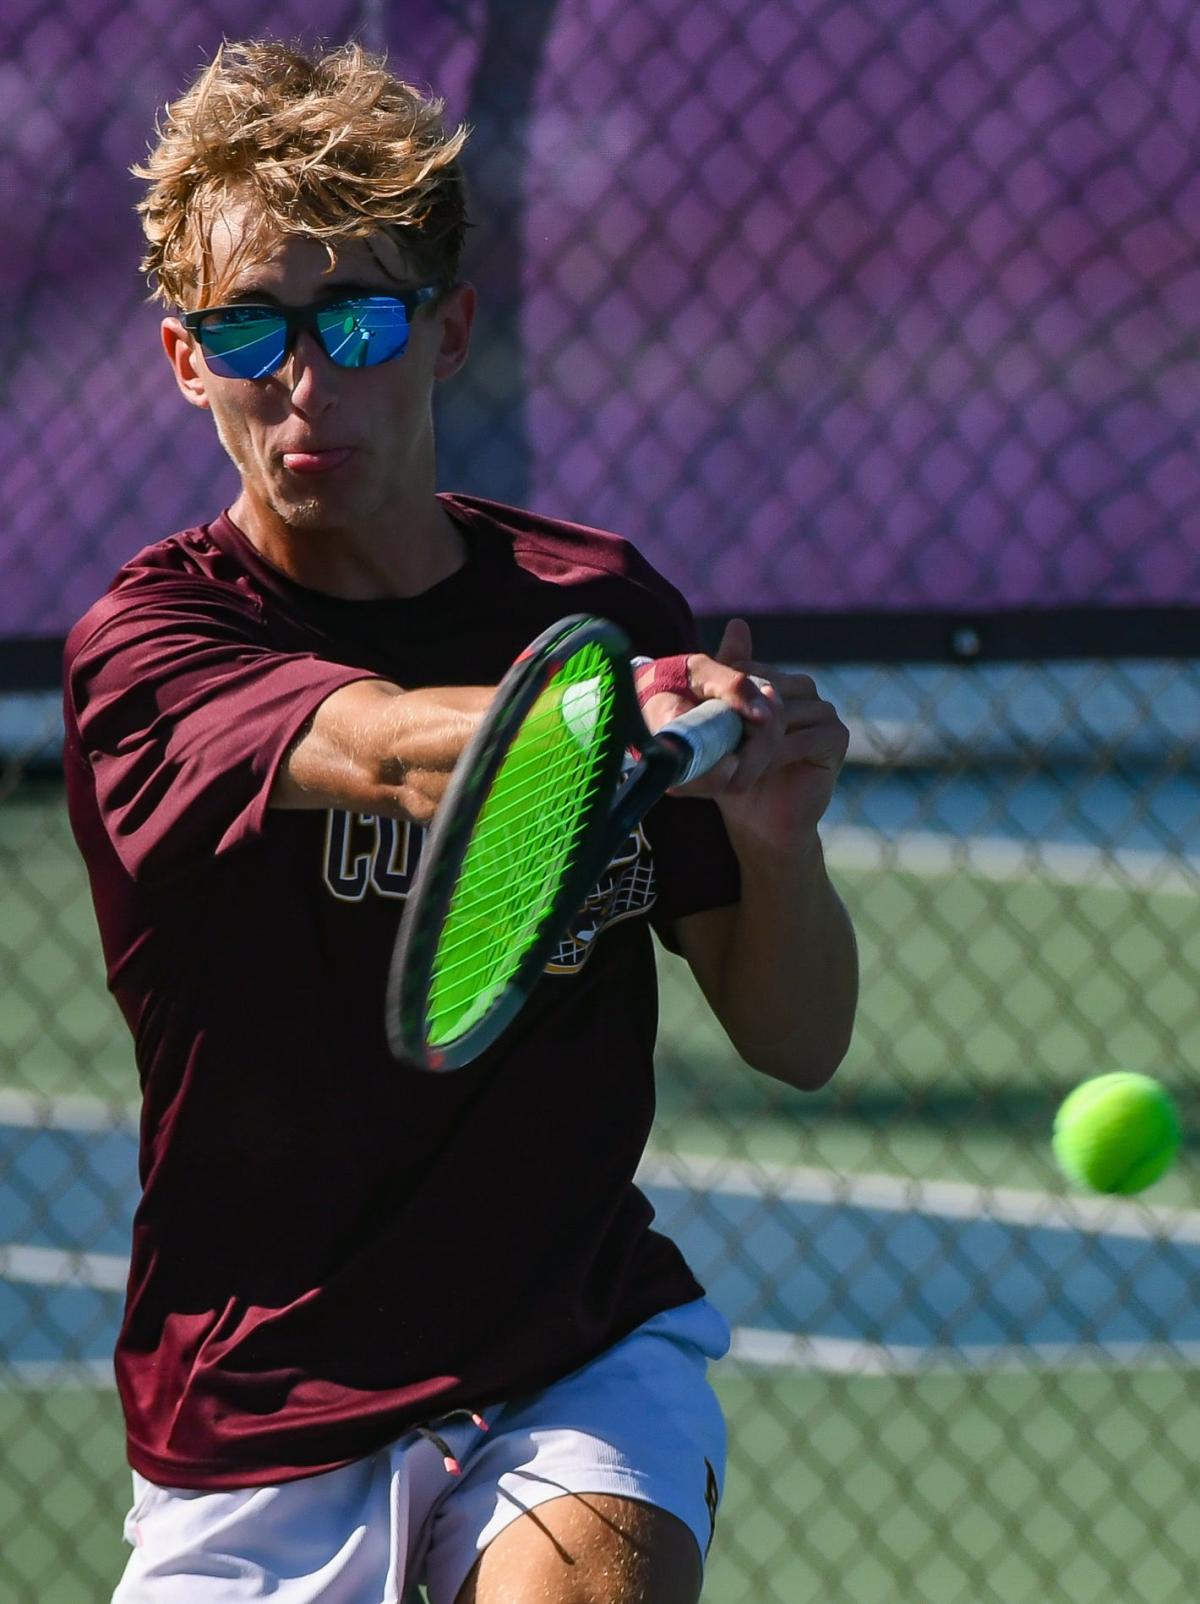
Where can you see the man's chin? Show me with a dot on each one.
(312, 511)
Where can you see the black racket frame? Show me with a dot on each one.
(410, 977)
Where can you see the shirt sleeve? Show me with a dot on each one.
(695, 866)
(184, 712)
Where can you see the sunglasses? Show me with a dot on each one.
(251, 341)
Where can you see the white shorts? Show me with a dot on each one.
(641, 1421)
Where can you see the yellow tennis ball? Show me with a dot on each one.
(1117, 1133)
(581, 709)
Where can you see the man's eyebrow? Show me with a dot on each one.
(338, 290)
(248, 292)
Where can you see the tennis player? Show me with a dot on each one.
(387, 1329)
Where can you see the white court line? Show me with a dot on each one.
(66, 1112)
(784, 1350)
(998, 858)
(56, 1267)
(69, 1374)
(952, 1200)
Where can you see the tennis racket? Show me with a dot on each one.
(541, 798)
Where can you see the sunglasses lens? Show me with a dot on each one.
(364, 332)
(243, 344)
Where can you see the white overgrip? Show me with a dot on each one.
(709, 733)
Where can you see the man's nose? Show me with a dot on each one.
(309, 374)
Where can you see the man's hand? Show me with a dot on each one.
(776, 787)
(779, 967)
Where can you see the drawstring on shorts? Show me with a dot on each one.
(443, 1447)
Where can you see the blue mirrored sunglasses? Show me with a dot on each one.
(252, 340)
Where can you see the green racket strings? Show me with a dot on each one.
(522, 844)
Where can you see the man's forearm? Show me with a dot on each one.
(788, 983)
(374, 748)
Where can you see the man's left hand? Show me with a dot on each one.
(774, 790)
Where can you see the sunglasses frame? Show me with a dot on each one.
(303, 319)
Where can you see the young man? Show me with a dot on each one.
(384, 1328)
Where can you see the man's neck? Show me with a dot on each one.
(419, 549)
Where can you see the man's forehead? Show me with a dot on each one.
(244, 256)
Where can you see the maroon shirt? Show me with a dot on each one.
(331, 1247)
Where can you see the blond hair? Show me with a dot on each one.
(331, 147)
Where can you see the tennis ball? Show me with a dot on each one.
(1117, 1133)
(580, 710)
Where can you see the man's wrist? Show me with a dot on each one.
(802, 859)
(653, 675)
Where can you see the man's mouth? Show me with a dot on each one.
(323, 461)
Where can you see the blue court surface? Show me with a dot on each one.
(812, 1270)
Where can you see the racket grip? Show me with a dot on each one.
(707, 734)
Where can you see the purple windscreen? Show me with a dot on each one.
(846, 307)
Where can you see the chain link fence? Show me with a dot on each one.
(847, 313)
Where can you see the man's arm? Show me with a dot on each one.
(373, 748)
(780, 967)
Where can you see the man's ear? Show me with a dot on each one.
(455, 315)
(190, 376)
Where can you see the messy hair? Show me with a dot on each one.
(329, 146)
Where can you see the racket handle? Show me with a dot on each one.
(707, 734)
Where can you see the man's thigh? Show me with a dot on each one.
(589, 1549)
(616, 1468)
